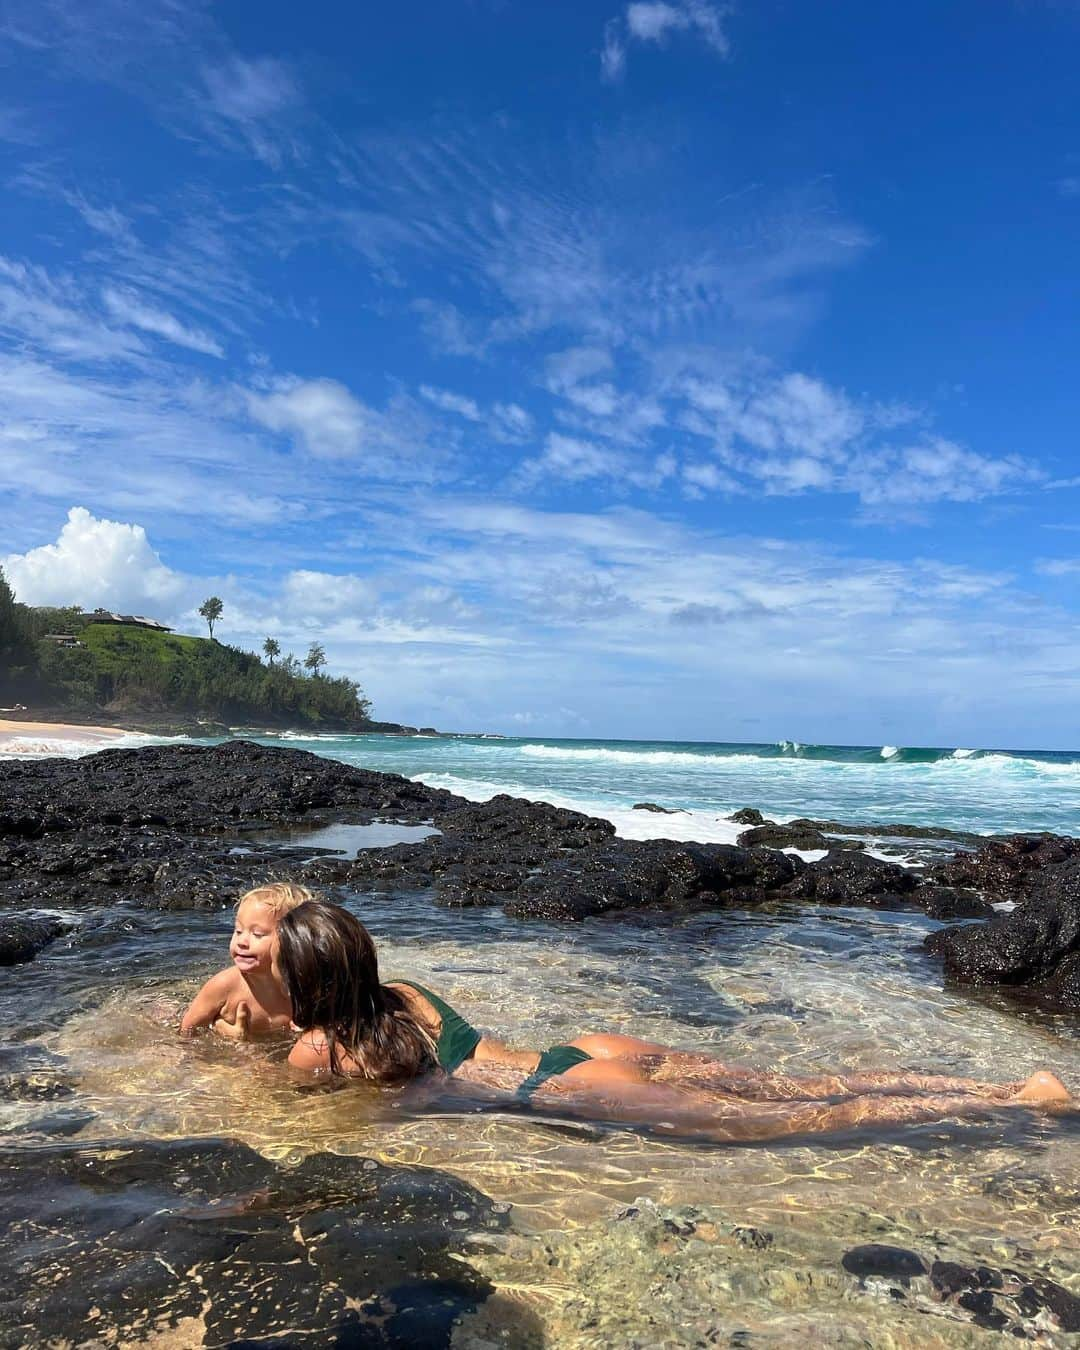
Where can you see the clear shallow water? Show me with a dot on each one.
(961, 788)
(805, 992)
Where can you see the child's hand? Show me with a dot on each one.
(240, 1029)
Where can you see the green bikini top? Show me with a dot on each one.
(457, 1038)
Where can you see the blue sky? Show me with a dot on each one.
(670, 369)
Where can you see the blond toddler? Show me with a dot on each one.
(249, 1000)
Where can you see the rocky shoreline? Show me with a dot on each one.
(206, 1241)
(181, 827)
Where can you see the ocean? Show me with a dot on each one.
(960, 788)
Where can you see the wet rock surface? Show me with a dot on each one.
(1034, 948)
(22, 936)
(698, 1277)
(185, 827)
(209, 1243)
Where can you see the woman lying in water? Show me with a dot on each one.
(353, 1026)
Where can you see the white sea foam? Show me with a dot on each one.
(291, 735)
(704, 827)
(655, 758)
(61, 747)
(889, 751)
(963, 754)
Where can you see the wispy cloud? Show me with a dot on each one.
(255, 100)
(50, 313)
(792, 433)
(570, 459)
(654, 21)
(128, 309)
(593, 243)
(450, 402)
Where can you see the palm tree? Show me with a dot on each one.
(271, 649)
(211, 609)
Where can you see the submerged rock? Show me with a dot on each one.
(698, 1277)
(22, 936)
(890, 1263)
(209, 1242)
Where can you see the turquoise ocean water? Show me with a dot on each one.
(983, 790)
(986, 791)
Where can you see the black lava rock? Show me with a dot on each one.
(22, 936)
(102, 1241)
(890, 1263)
(846, 878)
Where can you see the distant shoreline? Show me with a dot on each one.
(14, 733)
(69, 726)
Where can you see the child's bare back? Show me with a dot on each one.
(249, 1000)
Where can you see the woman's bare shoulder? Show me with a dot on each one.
(418, 1005)
(310, 1053)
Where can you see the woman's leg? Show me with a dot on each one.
(661, 1064)
(614, 1090)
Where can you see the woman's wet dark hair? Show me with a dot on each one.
(330, 968)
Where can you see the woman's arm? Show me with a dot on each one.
(310, 1055)
(207, 1004)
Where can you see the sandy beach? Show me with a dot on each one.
(32, 737)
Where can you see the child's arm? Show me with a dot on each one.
(207, 1004)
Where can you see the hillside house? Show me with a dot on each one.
(131, 620)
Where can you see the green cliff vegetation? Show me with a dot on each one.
(121, 671)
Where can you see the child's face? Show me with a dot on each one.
(253, 938)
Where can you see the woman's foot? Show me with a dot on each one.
(1042, 1087)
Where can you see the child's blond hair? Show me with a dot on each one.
(279, 896)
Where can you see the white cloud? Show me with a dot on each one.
(448, 401)
(937, 470)
(95, 562)
(1059, 567)
(322, 415)
(654, 21)
(649, 22)
(571, 459)
(50, 313)
(322, 595)
(613, 53)
(127, 308)
(251, 90)
(706, 475)
(567, 369)
(254, 101)
(511, 422)
(107, 220)
(792, 433)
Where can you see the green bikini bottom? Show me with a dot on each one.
(552, 1062)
